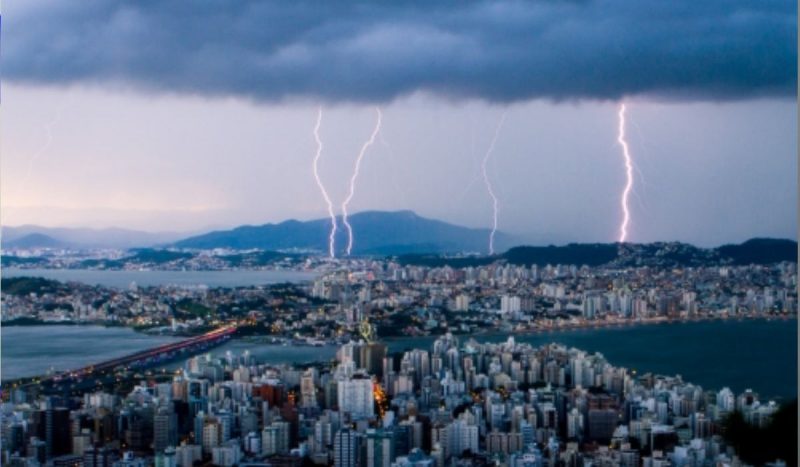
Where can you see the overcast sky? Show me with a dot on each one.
(174, 116)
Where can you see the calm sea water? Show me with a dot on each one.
(759, 354)
(123, 279)
(34, 350)
(756, 354)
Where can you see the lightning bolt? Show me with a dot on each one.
(332, 235)
(353, 178)
(488, 182)
(48, 130)
(626, 216)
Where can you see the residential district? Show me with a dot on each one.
(458, 403)
(419, 300)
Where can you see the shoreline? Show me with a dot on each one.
(31, 322)
(593, 339)
(493, 333)
(179, 278)
(483, 332)
(589, 326)
(634, 323)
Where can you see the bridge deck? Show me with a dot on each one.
(166, 349)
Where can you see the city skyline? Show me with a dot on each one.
(399, 234)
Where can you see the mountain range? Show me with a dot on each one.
(411, 238)
(753, 251)
(34, 236)
(374, 232)
(657, 254)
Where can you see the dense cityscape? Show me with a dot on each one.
(460, 402)
(420, 300)
(399, 234)
(457, 403)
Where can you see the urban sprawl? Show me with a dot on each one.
(460, 402)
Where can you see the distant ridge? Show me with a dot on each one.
(760, 250)
(67, 237)
(591, 254)
(404, 235)
(34, 240)
(663, 254)
(375, 233)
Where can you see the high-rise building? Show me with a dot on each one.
(37, 449)
(418, 363)
(187, 454)
(275, 438)
(165, 429)
(349, 353)
(726, 401)
(97, 457)
(211, 435)
(225, 419)
(355, 397)
(252, 443)
(380, 448)
(590, 306)
(345, 448)
(54, 428)
(574, 424)
(372, 356)
(14, 438)
(510, 304)
(462, 302)
(197, 428)
(272, 392)
(81, 442)
(197, 394)
(461, 436)
(166, 458)
(308, 389)
(227, 455)
(602, 423)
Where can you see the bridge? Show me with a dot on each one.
(139, 360)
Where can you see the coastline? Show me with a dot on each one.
(482, 332)
(631, 323)
(769, 354)
(22, 322)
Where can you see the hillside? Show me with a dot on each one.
(33, 240)
(760, 250)
(79, 238)
(375, 233)
(660, 254)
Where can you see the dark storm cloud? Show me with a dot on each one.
(349, 51)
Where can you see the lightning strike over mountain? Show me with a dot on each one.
(332, 235)
(353, 178)
(623, 228)
(488, 182)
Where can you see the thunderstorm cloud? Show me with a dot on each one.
(500, 51)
